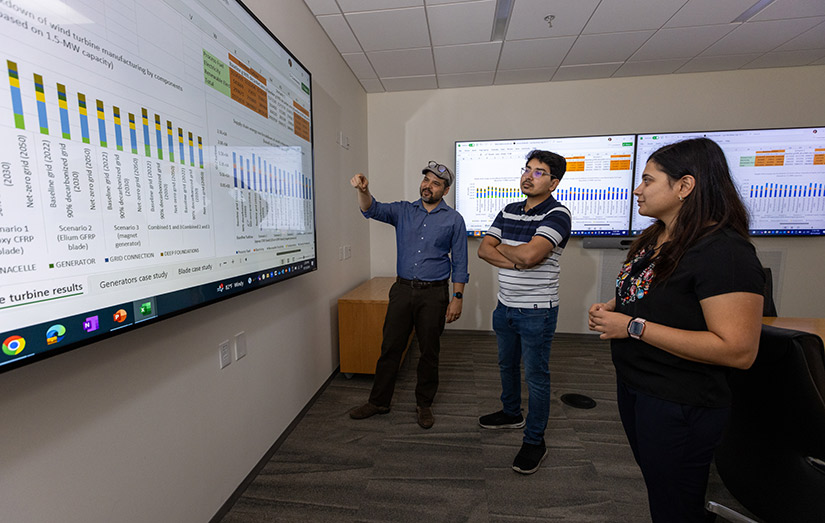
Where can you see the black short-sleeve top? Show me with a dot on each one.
(720, 263)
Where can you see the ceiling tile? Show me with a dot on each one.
(791, 9)
(524, 76)
(467, 58)
(372, 85)
(616, 16)
(709, 12)
(786, 59)
(717, 63)
(403, 62)
(649, 67)
(351, 6)
(339, 32)
(681, 42)
(390, 29)
(605, 48)
(531, 54)
(408, 42)
(811, 39)
(753, 37)
(439, 2)
(585, 72)
(360, 65)
(466, 79)
(527, 19)
(323, 7)
(410, 83)
(466, 23)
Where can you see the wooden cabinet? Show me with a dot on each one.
(361, 314)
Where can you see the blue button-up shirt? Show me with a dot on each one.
(424, 240)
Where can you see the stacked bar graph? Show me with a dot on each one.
(491, 199)
(63, 104)
(40, 87)
(41, 104)
(133, 133)
(118, 128)
(594, 202)
(783, 199)
(271, 191)
(118, 202)
(84, 117)
(16, 99)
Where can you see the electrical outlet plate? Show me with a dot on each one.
(240, 345)
(223, 352)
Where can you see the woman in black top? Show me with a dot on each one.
(688, 307)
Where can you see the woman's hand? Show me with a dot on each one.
(611, 325)
(608, 306)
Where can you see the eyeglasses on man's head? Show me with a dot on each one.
(437, 167)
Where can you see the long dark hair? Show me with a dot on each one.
(713, 204)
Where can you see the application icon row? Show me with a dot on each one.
(143, 310)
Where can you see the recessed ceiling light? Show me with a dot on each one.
(752, 11)
(502, 17)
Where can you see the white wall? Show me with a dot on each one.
(406, 129)
(145, 427)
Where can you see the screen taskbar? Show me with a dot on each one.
(768, 232)
(573, 233)
(40, 340)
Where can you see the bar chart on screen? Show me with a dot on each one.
(595, 186)
(147, 150)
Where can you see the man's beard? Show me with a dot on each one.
(428, 199)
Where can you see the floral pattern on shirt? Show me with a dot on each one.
(633, 284)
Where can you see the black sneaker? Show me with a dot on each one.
(529, 458)
(500, 420)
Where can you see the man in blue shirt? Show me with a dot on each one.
(525, 243)
(431, 243)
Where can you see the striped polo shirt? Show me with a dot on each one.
(538, 286)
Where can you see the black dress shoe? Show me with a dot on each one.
(366, 410)
(425, 417)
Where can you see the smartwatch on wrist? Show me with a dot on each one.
(458, 295)
(636, 327)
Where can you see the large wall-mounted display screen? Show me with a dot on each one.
(155, 155)
(596, 187)
(780, 174)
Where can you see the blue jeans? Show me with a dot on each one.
(525, 334)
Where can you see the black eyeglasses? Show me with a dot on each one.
(537, 173)
(437, 167)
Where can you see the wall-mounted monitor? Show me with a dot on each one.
(596, 187)
(155, 156)
(780, 174)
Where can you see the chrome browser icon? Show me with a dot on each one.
(14, 345)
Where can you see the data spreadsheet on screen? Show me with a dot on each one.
(154, 156)
(596, 187)
(779, 173)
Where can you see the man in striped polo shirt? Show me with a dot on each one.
(525, 243)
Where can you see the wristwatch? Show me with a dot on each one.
(636, 327)
(458, 295)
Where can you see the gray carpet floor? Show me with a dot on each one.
(387, 469)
